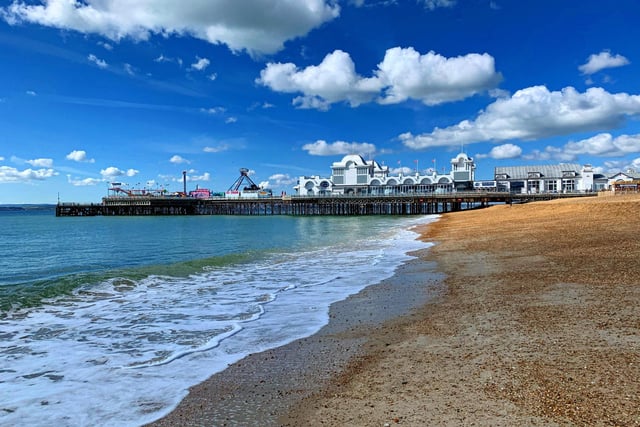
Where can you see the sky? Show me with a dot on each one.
(136, 91)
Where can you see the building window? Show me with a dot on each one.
(552, 186)
(568, 185)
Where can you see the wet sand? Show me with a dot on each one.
(538, 323)
(260, 389)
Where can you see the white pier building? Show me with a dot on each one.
(354, 175)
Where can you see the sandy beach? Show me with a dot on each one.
(535, 321)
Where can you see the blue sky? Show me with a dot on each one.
(136, 91)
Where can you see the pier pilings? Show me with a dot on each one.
(413, 204)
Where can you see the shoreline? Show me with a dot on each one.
(536, 324)
(261, 388)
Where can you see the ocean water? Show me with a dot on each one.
(108, 321)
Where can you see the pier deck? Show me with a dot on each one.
(414, 204)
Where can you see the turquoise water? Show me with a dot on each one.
(141, 308)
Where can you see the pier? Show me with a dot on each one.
(410, 204)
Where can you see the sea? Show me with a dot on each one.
(107, 321)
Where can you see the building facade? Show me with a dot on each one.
(353, 175)
(560, 178)
(624, 181)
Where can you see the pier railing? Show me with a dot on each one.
(397, 204)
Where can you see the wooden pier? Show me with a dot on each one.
(415, 204)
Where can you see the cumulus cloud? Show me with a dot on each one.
(505, 151)
(604, 144)
(333, 80)
(114, 172)
(322, 148)
(203, 177)
(602, 60)
(178, 160)
(534, 113)
(434, 79)
(79, 156)
(12, 175)
(403, 74)
(83, 182)
(278, 180)
(99, 62)
(402, 170)
(40, 163)
(200, 64)
(255, 26)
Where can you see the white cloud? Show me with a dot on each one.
(163, 58)
(252, 25)
(219, 149)
(31, 93)
(129, 69)
(534, 113)
(40, 163)
(178, 160)
(601, 145)
(114, 172)
(231, 120)
(83, 182)
(12, 175)
(213, 110)
(333, 80)
(204, 177)
(434, 4)
(602, 60)
(604, 144)
(213, 76)
(281, 179)
(505, 151)
(322, 148)
(549, 153)
(403, 74)
(404, 170)
(200, 64)
(434, 79)
(105, 45)
(99, 62)
(79, 156)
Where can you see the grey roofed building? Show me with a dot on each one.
(563, 177)
(548, 171)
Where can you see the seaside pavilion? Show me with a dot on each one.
(560, 178)
(353, 175)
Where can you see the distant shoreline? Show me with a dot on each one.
(27, 207)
